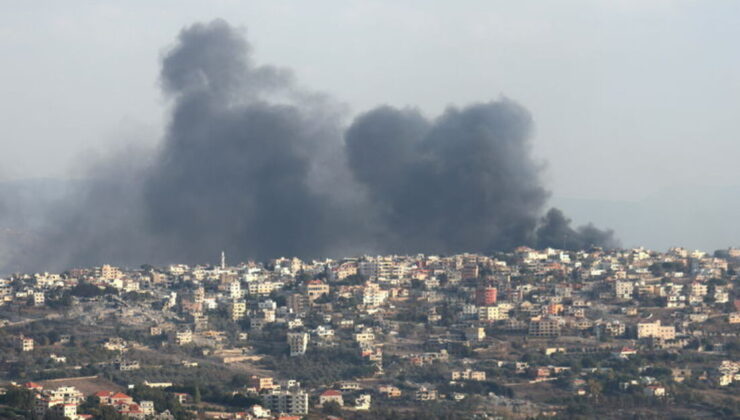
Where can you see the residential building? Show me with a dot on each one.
(298, 342)
(289, 402)
(655, 330)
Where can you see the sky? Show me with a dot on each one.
(630, 99)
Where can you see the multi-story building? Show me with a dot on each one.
(345, 270)
(38, 298)
(298, 303)
(315, 289)
(237, 310)
(475, 333)
(468, 375)
(470, 271)
(655, 330)
(368, 269)
(373, 295)
(235, 289)
(298, 342)
(261, 287)
(425, 394)
(331, 395)
(615, 328)
(261, 382)
(288, 402)
(389, 391)
(624, 289)
(183, 336)
(544, 328)
(485, 296)
(25, 343)
(364, 337)
(492, 313)
(199, 296)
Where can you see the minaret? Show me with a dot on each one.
(223, 260)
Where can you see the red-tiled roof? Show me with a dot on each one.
(331, 393)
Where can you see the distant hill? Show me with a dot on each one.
(706, 218)
(24, 206)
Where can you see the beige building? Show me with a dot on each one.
(315, 289)
(331, 395)
(468, 375)
(25, 343)
(261, 382)
(698, 289)
(655, 330)
(183, 337)
(364, 337)
(389, 391)
(38, 299)
(624, 289)
(544, 328)
(235, 289)
(109, 273)
(237, 310)
(492, 313)
(373, 295)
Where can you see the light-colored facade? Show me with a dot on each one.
(492, 313)
(298, 342)
(238, 310)
(288, 402)
(655, 330)
(624, 289)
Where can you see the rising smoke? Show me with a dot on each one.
(253, 164)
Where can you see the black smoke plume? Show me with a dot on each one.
(239, 167)
(464, 181)
(555, 231)
(253, 164)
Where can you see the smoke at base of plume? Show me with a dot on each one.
(256, 166)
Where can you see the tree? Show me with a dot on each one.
(331, 408)
(18, 397)
(107, 412)
(196, 395)
(595, 388)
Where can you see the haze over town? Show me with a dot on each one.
(369, 210)
(633, 105)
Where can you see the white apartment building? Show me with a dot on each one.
(298, 342)
(288, 402)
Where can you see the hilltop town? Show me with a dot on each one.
(524, 334)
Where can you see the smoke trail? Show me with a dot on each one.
(253, 164)
(555, 231)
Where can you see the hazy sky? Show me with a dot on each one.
(629, 97)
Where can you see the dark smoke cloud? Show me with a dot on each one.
(253, 164)
(555, 231)
(236, 169)
(464, 181)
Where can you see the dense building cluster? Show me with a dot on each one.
(519, 334)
